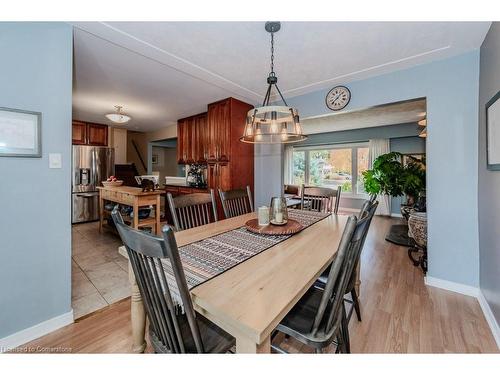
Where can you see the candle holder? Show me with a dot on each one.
(278, 214)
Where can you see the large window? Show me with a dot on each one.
(331, 166)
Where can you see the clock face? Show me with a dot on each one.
(338, 98)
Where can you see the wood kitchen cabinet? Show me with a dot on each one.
(97, 135)
(84, 133)
(79, 134)
(213, 138)
(191, 139)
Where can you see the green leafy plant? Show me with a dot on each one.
(390, 177)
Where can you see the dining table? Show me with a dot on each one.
(250, 299)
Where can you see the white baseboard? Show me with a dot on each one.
(452, 286)
(348, 209)
(473, 292)
(396, 215)
(490, 318)
(36, 331)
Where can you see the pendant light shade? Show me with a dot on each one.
(273, 123)
(118, 116)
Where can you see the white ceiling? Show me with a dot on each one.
(162, 71)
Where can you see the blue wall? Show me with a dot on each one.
(489, 181)
(35, 224)
(451, 87)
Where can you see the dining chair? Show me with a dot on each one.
(292, 190)
(192, 210)
(320, 199)
(236, 202)
(318, 319)
(367, 211)
(171, 330)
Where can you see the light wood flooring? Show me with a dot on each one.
(400, 314)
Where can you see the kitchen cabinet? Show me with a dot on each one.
(84, 133)
(79, 134)
(213, 138)
(191, 139)
(97, 135)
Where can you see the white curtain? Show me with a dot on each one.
(379, 147)
(288, 156)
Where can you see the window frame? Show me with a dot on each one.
(354, 146)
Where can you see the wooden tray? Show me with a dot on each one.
(291, 227)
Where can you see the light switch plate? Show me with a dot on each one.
(55, 161)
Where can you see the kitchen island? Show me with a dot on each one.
(135, 198)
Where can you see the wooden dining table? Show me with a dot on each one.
(249, 300)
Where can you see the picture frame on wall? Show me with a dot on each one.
(154, 159)
(406, 158)
(20, 133)
(493, 133)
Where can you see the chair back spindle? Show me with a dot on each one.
(145, 253)
(192, 210)
(236, 202)
(320, 199)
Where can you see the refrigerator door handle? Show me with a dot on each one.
(87, 195)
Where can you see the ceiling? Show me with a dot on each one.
(405, 112)
(162, 71)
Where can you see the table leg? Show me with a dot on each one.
(246, 345)
(137, 314)
(357, 284)
(101, 211)
(158, 215)
(135, 223)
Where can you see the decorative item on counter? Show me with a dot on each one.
(263, 214)
(147, 185)
(112, 181)
(278, 212)
(196, 175)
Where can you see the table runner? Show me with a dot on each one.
(207, 258)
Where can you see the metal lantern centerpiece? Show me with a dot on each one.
(273, 123)
(278, 214)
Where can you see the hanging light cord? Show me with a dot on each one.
(272, 79)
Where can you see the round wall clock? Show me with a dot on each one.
(338, 98)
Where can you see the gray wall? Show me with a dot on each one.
(489, 181)
(450, 87)
(35, 224)
(403, 138)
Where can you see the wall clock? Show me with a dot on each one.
(338, 98)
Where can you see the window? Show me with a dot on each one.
(331, 166)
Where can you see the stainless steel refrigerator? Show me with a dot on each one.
(91, 166)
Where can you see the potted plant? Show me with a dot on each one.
(390, 177)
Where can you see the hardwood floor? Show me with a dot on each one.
(400, 314)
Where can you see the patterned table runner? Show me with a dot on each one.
(212, 256)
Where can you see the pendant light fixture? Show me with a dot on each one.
(273, 123)
(118, 116)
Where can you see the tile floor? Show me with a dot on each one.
(99, 273)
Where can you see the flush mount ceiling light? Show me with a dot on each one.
(273, 123)
(118, 116)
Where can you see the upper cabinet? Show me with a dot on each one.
(192, 139)
(85, 133)
(79, 133)
(213, 136)
(98, 135)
